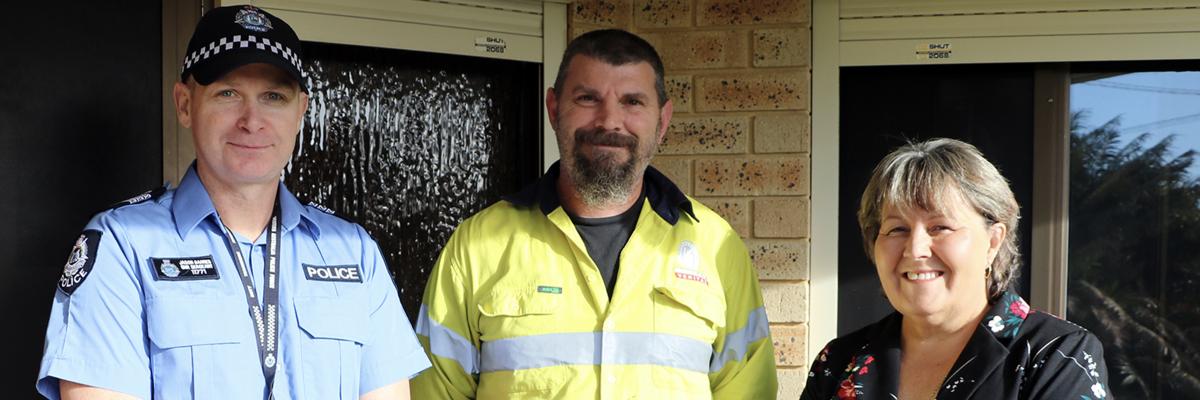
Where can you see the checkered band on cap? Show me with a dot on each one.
(242, 42)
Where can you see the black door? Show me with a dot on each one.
(409, 144)
(80, 128)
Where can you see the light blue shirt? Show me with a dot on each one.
(126, 328)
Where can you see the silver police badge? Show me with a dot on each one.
(169, 269)
(77, 259)
(253, 19)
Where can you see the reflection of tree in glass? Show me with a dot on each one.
(1134, 240)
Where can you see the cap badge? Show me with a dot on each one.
(253, 19)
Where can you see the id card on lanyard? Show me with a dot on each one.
(266, 315)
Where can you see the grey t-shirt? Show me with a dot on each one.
(604, 239)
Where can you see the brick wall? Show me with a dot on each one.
(738, 72)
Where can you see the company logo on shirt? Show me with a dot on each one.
(332, 273)
(688, 263)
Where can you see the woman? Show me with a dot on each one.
(939, 221)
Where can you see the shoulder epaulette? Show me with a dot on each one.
(330, 211)
(141, 198)
(324, 209)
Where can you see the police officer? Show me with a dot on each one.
(601, 280)
(227, 287)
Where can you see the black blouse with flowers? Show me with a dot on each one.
(1015, 353)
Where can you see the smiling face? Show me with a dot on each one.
(244, 125)
(609, 123)
(932, 264)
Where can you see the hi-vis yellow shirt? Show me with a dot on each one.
(516, 309)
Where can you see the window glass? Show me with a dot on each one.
(1133, 258)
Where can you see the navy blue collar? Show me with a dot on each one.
(665, 198)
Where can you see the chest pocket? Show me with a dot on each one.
(192, 334)
(335, 330)
(695, 313)
(689, 311)
(516, 312)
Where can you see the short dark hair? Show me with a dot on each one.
(615, 47)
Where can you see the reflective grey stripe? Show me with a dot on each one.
(595, 348)
(444, 342)
(737, 341)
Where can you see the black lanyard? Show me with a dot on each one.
(267, 326)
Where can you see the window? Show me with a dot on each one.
(1134, 215)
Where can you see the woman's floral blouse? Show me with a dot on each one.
(1015, 353)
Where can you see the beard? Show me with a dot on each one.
(603, 179)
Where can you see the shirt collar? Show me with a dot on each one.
(191, 205)
(1003, 320)
(665, 198)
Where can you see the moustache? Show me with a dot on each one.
(601, 137)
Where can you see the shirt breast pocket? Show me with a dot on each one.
(336, 328)
(509, 322)
(689, 311)
(511, 312)
(687, 320)
(192, 335)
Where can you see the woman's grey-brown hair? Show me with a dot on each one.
(924, 175)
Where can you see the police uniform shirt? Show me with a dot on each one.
(151, 304)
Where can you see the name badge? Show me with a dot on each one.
(332, 273)
(185, 268)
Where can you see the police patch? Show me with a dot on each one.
(332, 273)
(185, 268)
(80, 261)
(253, 19)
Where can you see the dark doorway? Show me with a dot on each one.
(409, 144)
(80, 129)
(990, 106)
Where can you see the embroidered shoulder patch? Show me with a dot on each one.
(80, 261)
